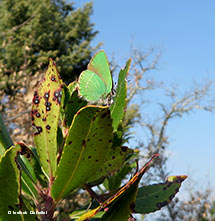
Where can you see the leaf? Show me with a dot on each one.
(122, 207)
(89, 139)
(10, 184)
(5, 140)
(45, 115)
(35, 164)
(78, 213)
(114, 181)
(114, 159)
(72, 87)
(123, 190)
(120, 101)
(28, 177)
(75, 103)
(153, 197)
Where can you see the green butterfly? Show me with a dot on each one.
(96, 82)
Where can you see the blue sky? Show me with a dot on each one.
(184, 32)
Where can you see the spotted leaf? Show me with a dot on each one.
(153, 197)
(124, 201)
(85, 148)
(113, 161)
(45, 115)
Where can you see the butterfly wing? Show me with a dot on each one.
(99, 65)
(91, 86)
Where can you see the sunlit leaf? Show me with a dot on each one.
(119, 104)
(88, 142)
(45, 115)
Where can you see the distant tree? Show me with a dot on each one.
(30, 33)
(33, 31)
(199, 204)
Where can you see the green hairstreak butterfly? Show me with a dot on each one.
(96, 82)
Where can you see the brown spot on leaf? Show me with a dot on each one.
(36, 100)
(56, 93)
(104, 115)
(39, 130)
(38, 114)
(169, 184)
(124, 148)
(48, 104)
(53, 78)
(46, 96)
(48, 108)
(48, 127)
(161, 204)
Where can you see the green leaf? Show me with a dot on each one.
(114, 182)
(119, 105)
(89, 139)
(75, 103)
(35, 164)
(129, 188)
(122, 207)
(5, 140)
(28, 176)
(72, 87)
(28, 187)
(153, 197)
(10, 184)
(45, 115)
(115, 157)
(78, 213)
